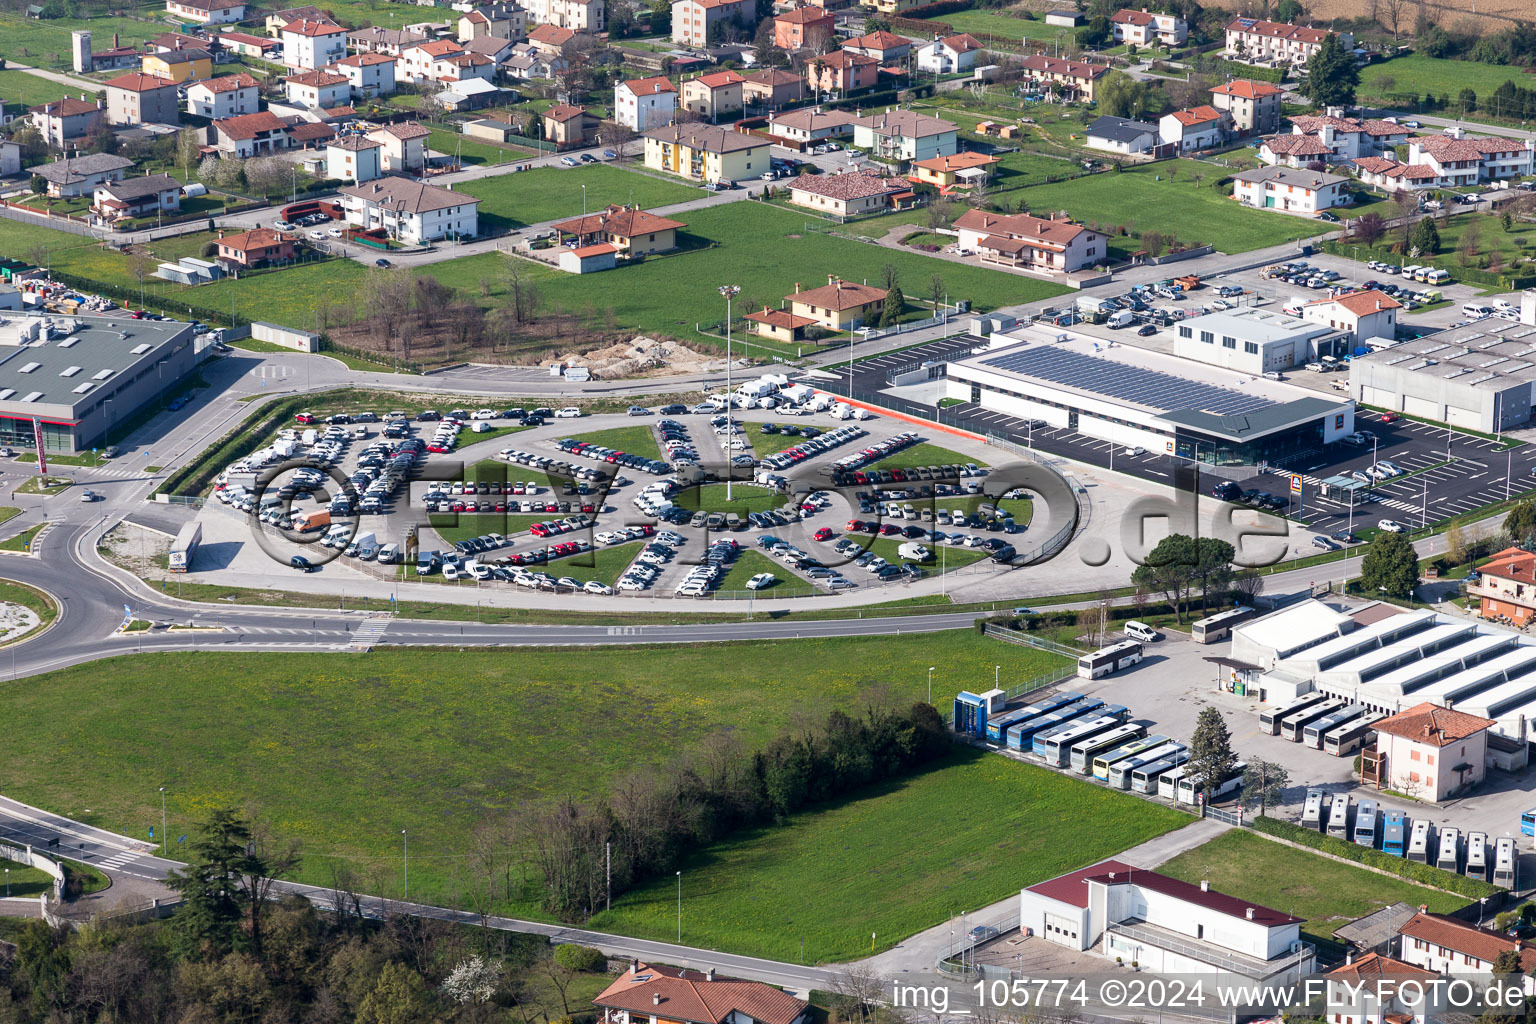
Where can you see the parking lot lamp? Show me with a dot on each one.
(729, 291)
(407, 841)
(162, 821)
(679, 906)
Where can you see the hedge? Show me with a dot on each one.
(246, 436)
(1412, 870)
(1469, 275)
(1237, 69)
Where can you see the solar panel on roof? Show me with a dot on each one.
(1152, 388)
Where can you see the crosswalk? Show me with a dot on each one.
(118, 861)
(370, 631)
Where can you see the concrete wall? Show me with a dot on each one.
(299, 341)
(30, 857)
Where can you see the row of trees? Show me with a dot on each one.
(1212, 761)
(1181, 565)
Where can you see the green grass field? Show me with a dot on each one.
(999, 24)
(22, 541)
(341, 752)
(925, 454)
(749, 563)
(946, 557)
(551, 193)
(20, 880)
(1511, 247)
(605, 565)
(1419, 74)
(894, 863)
(635, 440)
(1147, 199)
(1324, 892)
(457, 526)
(45, 43)
(744, 498)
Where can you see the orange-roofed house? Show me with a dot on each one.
(225, 96)
(1070, 80)
(645, 103)
(318, 90)
(803, 27)
(628, 229)
(714, 95)
(588, 259)
(405, 146)
(1447, 946)
(568, 126)
(1364, 314)
(137, 98)
(772, 88)
(416, 61)
(959, 170)
(258, 134)
(68, 118)
(1428, 752)
(1256, 41)
(779, 324)
(1253, 106)
(550, 39)
(1032, 243)
(1507, 588)
(885, 47)
(652, 994)
(850, 193)
(1148, 28)
(841, 72)
(699, 23)
(838, 305)
(313, 44)
(1376, 989)
(949, 55)
(1196, 128)
(371, 74)
(255, 248)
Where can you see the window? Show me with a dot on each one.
(1207, 337)
(1229, 343)
(1430, 760)
(1186, 332)
(1413, 777)
(1251, 347)
(1413, 755)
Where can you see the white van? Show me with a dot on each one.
(389, 554)
(1475, 309)
(1141, 631)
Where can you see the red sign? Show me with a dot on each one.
(37, 437)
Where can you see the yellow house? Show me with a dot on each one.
(778, 324)
(963, 169)
(889, 6)
(178, 65)
(628, 229)
(837, 305)
(705, 152)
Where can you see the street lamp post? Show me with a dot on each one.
(405, 839)
(930, 684)
(679, 906)
(162, 821)
(583, 203)
(730, 291)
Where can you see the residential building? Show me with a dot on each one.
(585, 16)
(1284, 188)
(1447, 946)
(1256, 41)
(369, 74)
(383, 40)
(841, 72)
(779, 324)
(1364, 314)
(313, 44)
(1467, 161)
(417, 60)
(628, 229)
(260, 247)
(68, 119)
(1387, 173)
(804, 28)
(225, 96)
(276, 20)
(1070, 80)
(1294, 151)
(494, 48)
(1112, 134)
(411, 211)
(354, 158)
(504, 21)
(189, 65)
(1165, 925)
(706, 152)
(137, 98)
(550, 40)
(645, 103)
(405, 147)
(692, 996)
(1199, 127)
(949, 55)
(528, 61)
(811, 125)
(772, 89)
(1255, 341)
(885, 47)
(318, 90)
(1428, 752)
(462, 67)
(207, 12)
(905, 135)
(1031, 243)
(10, 158)
(246, 135)
(849, 193)
(1254, 107)
(80, 175)
(713, 96)
(569, 126)
(1146, 28)
(84, 59)
(889, 7)
(699, 23)
(317, 134)
(1349, 138)
(137, 197)
(959, 170)
(1505, 158)
(1376, 989)
(1507, 589)
(246, 45)
(838, 305)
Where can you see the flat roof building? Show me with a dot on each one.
(1256, 341)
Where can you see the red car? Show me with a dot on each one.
(305, 417)
(890, 530)
(1390, 417)
(823, 534)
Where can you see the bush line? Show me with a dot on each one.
(1413, 871)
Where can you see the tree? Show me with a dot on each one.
(104, 140)
(1263, 782)
(574, 957)
(1094, 34)
(1210, 750)
(937, 290)
(1466, 100)
(1520, 524)
(1179, 563)
(522, 293)
(1120, 95)
(1507, 221)
(38, 184)
(1455, 545)
(1426, 237)
(940, 212)
(400, 997)
(1390, 566)
(34, 148)
(895, 305)
(1369, 228)
(189, 142)
(1247, 585)
(214, 901)
(1332, 75)
(473, 981)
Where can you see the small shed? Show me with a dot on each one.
(1066, 19)
(589, 259)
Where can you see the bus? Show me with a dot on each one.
(1103, 762)
(1528, 822)
(997, 727)
(1269, 720)
(1146, 778)
(1394, 834)
(1084, 751)
(1446, 859)
(1343, 740)
(1190, 790)
(1054, 746)
(1477, 856)
(1292, 726)
(1168, 782)
(1109, 659)
(1338, 817)
(1120, 771)
(1312, 735)
(1041, 707)
(1216, 628)
(1419, 840)
(1312, 811)
(1365, 823)
(1022, 736)
(1504, 864)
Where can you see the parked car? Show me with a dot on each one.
(1391, 526)
(570, 161)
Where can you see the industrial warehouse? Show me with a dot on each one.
(78, 376)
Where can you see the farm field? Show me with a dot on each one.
(23, 89)
(907, 855)
(552, 193)
(1000, 24)
(1418, 74)
(341, 753)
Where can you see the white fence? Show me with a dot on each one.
(32, 859)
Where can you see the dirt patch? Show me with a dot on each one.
(644, 357)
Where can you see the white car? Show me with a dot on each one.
(1391, 526)
(630, 583)
(483, 414)
(568, 582)
(335, 232)
(761, 580)
(594, 587)
(570, 412)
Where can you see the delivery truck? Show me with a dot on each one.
(312, 519)
(185, 546)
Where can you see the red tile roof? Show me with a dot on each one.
(248, 126)
(1465, 938)
(839, 295)
(1197, 115)
(563, 112)
(781, 318)
(881, 40)
(314, 28)
(1072, 888)
(67, 107)
(1038, 230)
(1069, 68)
(1297, 145)
(1248, 89)
(1188, 892)
(805, 16)
(1490, 146)
(848, 185)
(136, 81)
(720, 79)
(842, 60)
(648, 86)
(311, 131)
(623, 221)
(258, 238)
(1512, 564)
(697, 998)
(1374, 965)
(551, 35)
(318, 79)
(1433, 725)
(226, 83)
(956, 162)
(358, 60)
(438, 47)
(405, 130)
(1363, 303)
(600, 249)
(1276, 30)
(1128, 17)
(962, 43)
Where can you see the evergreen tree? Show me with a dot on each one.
(1426, 237)
(1391, 566)
(1332, 75)
(895, 303)
(1520, 524)
(1210, 750)
(209, 920)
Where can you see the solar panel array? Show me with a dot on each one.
(1152, 388)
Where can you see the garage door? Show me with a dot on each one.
(1421, 407)
(1463, 418)
(1379, 397)
(1063, 930)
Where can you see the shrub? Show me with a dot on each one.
(580, 958)
(1425, 874)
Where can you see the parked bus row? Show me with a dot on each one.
(1395, 834)
(1330, 724)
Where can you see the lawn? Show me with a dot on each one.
(744, 498)
(470, 151)
(945, 556)
(905, 857)
(457, 526)
(8, 512)
(925, 455)
(605, 565)
(1491, 238)
(749, 563)
(1022, 509)
(46, 43)
(999, 24)
(1147, 199)
(552, 193)
(343, 752)
(1417, 75)
(23, 540)
(1328, 894)
(635, 440)
(21, 880)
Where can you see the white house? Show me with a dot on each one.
(1387, 173)
(354, 158)
(905, 135)
(590, 16)
(1447, 946)
(225, 96)
(1121, 135)
(1288, 189)
(207, 12)
(1146, 28)
(370, 74)
(1429, 752)
(417, 60)
(1376, 989)
(1366, 314)
(645, 103)
(949, 55)
(1464, 161)
(1196, 128)
(405, 146)
(81, 175)
(10, 158)
(1256, 41)
(1030, 243)
(411, 211)
(313, 44)
(811, 124)
(1349, 138)
(318, 90)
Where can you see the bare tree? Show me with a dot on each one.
(269, 861)
(1393, 12)
(522, 294)
(346, 898)
(619, 138)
